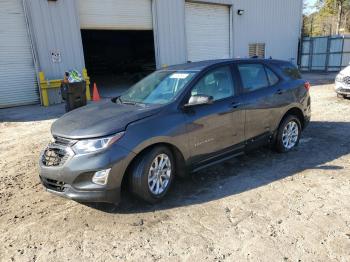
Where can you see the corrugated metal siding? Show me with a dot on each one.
(207, 31)
(169, 31)
(115, 14)
(277, 23)
(219, 2)
(18, 81)
(346, 56)
(55, 27)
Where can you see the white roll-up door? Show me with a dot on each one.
(17, 74)
(116, 14)
(207, 31)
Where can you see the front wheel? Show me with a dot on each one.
(341, 96)
(152, 174)
(288, 134)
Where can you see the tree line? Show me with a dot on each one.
(331, 17)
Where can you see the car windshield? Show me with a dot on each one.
(160, 87)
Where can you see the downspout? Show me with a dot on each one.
(32, 45)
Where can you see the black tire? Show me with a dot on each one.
(280, 146)
(139, 184)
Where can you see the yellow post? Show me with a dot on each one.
(87, 80)
(43, 86)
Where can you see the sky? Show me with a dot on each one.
(310, 3)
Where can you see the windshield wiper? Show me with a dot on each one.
(125, 102)
(128, 103)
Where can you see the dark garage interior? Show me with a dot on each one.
(116, 59)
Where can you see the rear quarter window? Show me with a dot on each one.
(289, 70)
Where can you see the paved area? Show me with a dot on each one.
(262, 206)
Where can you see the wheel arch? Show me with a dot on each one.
(180, 162)
(296, 111)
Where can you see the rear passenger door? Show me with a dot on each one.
(259, 86)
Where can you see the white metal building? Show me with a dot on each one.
(17, 72)
(56, 35)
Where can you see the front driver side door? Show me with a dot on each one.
(214, 128)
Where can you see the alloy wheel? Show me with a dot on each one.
(290, 135)
(159, 174)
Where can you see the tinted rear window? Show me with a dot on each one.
(289, 70)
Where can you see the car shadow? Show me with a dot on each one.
(322, 142)
(31, 113)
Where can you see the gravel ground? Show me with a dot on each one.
(262, 206)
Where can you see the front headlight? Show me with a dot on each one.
(94, 145)
(339, 78)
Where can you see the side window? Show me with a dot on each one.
(273, 78)
(291, 71)
(217, 83)
(253, 76)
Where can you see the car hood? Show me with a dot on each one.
(99, 119)
(345, 71)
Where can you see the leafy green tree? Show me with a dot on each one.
(336, 9)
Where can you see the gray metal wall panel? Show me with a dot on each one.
(346, 47)
(169, 31)
(336, 45)
(203, 20)
(55, 27)
(346, 50)
(274, 22)
(17, 73)
(320, 45)
(220, 2)
(115, 14)
(277, 23)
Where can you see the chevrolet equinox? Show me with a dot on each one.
(175, 121)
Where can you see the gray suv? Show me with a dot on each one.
(173, 122)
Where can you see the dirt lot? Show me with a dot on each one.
(261, 207)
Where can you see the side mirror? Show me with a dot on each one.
(199, 100)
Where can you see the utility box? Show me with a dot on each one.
(74, 95)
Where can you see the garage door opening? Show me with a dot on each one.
(116, 59)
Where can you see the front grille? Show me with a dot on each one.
(53, 184)
(54, 156)
(346, 80)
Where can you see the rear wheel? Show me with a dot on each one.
(288, 134)
(152, 174)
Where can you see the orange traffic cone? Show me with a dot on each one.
(95, 94)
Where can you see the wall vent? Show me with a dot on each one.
(257, 50)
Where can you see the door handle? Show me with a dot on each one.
(236, 104)
(279, 92)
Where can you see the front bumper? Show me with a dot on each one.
(342, 89)
(108, 196)
(73, 178)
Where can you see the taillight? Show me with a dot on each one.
(307, 86)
